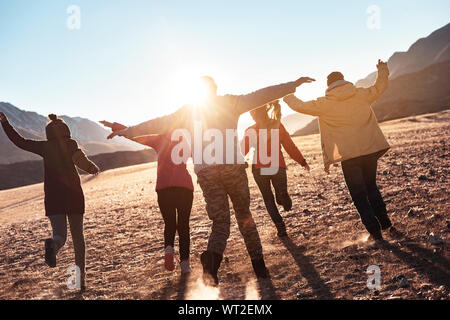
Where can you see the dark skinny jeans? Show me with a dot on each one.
(360, 176)
(175, 204)
(279, 183)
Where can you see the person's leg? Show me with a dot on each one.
(279, 182)
(59, 231)
(166, 202)
(353, 174)
(79, 246)
(76, 230)
(234, 178)
(185, 198)
(374, 195)
(263, 182)
(218, 209)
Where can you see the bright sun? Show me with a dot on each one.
(190, 88)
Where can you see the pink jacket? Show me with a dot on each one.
(168, 173)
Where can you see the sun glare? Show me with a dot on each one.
(190, 89)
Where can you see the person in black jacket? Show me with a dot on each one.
(64, 198)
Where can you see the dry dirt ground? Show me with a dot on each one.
(325, 257)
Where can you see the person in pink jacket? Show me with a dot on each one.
(175, 195)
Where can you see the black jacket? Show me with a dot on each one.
(62, 186)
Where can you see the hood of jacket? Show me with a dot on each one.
(341, 90)
(57, 129)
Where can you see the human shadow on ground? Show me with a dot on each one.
(431, 264)
(307, 270)
(267, 290)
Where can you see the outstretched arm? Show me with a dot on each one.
(248, 102)
(177, 120)
(311, 107)
(381, 84)
(80, 159)
(151, 141)
(22, 143)
(291, 148)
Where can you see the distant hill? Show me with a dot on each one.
(425, 52)
(416, 93)
(411, 94)
(30, 172)
(421, 88)
(90, 135)
(293, 122)
(310, 128)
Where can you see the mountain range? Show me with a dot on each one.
(90, 135)
(419, 81)
(423, 53)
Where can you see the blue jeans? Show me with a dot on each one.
(360, 176)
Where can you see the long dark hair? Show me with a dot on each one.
(268, 117)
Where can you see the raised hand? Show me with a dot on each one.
(303, 80)
(381, 64)
(106, 124)
(3, 118)
(307, 168)
(305, 165)
(96, 172)
(121, 133)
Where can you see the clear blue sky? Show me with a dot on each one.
(127, 60)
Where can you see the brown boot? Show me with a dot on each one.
(259, 266)
(281, 228)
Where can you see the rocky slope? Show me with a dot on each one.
(424, 52)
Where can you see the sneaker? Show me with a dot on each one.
(287, 203)
(259, 266)
(384, 221)
(379, 244)
(50, 253)
(185, 266)
(168, 258)
(375, 233)
(210, 262)
(281, 230)
(374, 239)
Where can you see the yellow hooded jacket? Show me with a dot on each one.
(347, 123)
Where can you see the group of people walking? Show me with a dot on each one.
(349, 134)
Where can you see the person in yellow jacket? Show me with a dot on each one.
(350, 134)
